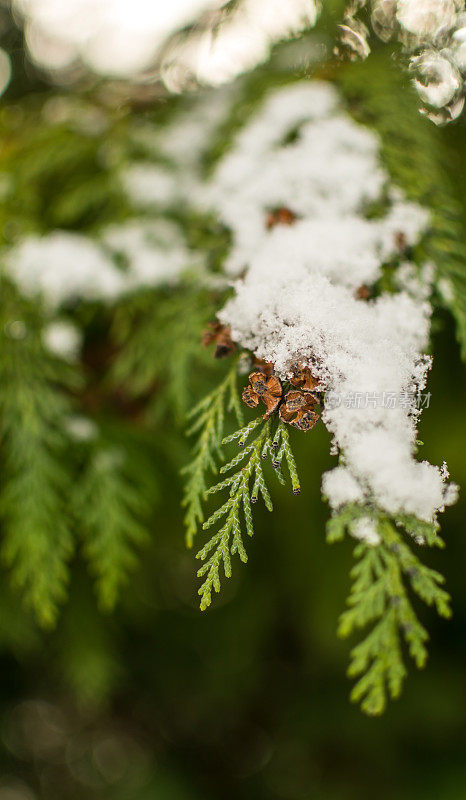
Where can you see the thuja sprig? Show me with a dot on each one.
(380, 597)
(209, 418)
(228, 540)
(282, 448)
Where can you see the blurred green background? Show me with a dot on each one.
(248, 700)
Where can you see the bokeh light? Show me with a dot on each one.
(115, 37)
(122, 38)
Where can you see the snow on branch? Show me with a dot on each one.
(64, 266)
(314, 221)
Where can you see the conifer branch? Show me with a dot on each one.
(229, 539)
(158, 340)
(281, 446)
(379, 596)
(109, 509)
(208, 421)
(423, 172)
(37, 541)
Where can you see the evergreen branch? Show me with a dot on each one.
(379, 596)
(422, 532)
(339, 524)
(109, 509)
(37, 538)
(424, 171)
(285, 450)
(229, 539)
(243, 433)
(231, 530)
(157, 336)
(209, 421)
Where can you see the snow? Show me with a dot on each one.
(63, 267)
(63, 339)
(154, 251)
(148, 184)
(365, 529)
(340, 485)
(336, 174)
(195, 125)
(297, 299)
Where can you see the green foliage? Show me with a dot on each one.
(228, 540)
(59, 174)
(37, 538)
(338, 525)
(109, 509)
(61, 160)
(157, 336)
(84, 649)
(209, 419)
(379, 597)
(49, 488)
(61, 163)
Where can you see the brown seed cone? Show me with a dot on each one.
(263, 366)
(297, 409)
(303, 379)
(210, 334)
(305, 420)
(261, 387)
(250, 397)
(401, 242)
(363, 293)
(221, 334)
(280, 216)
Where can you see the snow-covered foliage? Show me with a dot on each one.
(298, 298)
(233, 40)
(154, 251)
(150, 185)
(169, 171)
(63, 267)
